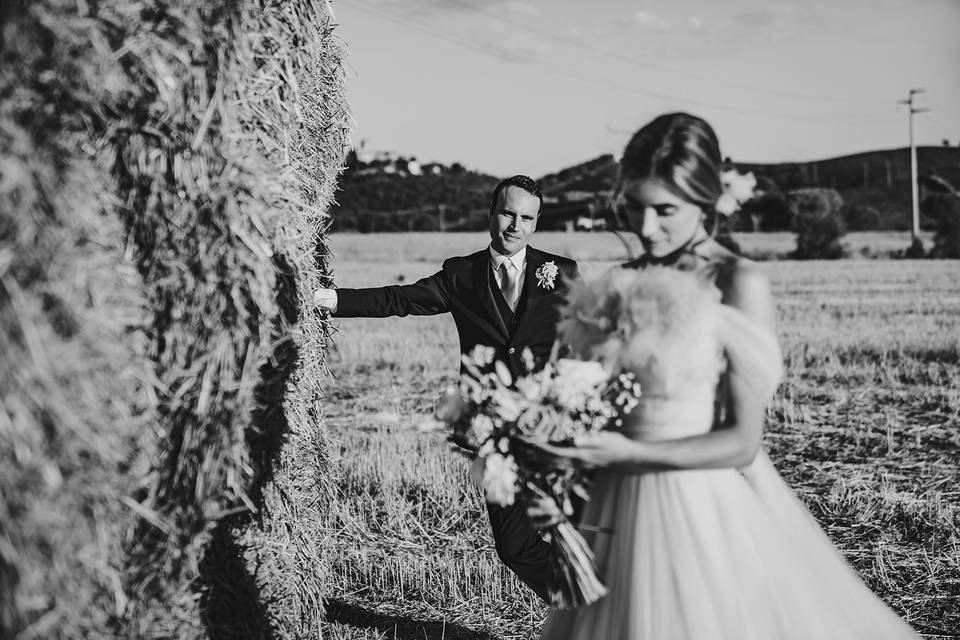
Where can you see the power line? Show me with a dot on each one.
(602, 81)
(610, 55)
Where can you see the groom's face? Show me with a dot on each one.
(513, 219)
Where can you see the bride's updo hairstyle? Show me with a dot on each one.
(682, 151)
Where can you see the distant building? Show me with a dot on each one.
(578, 196)
(584, 223)
(364, 155)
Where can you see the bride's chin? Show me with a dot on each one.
(657, 251)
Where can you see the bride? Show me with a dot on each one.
(695, 534)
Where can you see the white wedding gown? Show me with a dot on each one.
(726, 554)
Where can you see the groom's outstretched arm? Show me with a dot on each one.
(427, 296)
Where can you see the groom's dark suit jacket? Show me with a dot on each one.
(466, 288)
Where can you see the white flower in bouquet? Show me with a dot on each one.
(503, 372)
(529, 420)
(497, 475)
(576, 381)
(483, 354)
(629, 396)
(506, 404)
(528, 360)
(529, 388)
(481, 428)
(586, 374)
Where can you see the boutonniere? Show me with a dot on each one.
(546, 274)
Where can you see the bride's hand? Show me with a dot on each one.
(597, 449)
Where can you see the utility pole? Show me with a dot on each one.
(914, 191)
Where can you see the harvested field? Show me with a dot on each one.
(388, 248)
(866, 428)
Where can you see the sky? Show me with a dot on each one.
(533, 86)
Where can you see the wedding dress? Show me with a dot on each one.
(722, 554)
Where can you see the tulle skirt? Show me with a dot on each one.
(717, 555)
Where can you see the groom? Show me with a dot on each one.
(506, 296)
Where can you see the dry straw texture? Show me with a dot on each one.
(72, 402)
(164, 174)
(304, 128)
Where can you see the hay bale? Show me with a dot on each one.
(209, 138)
(72, 402)
(290, 63)
(243, 134)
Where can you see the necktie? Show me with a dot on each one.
(510, 283)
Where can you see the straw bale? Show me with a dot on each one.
(289, 63)
(164, 178)
(72, 399)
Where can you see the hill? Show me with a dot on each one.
(398, 194)
(876, 179)
(875, 182)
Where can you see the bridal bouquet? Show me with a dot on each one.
(493, 414)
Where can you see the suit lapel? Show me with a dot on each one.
(482, 284)
(532, 291)
(531, 288)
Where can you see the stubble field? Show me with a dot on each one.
(866, 429)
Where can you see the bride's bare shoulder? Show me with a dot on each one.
(744, 285)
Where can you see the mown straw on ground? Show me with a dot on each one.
(865, 428)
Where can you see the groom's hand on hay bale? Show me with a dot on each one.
(325, 299)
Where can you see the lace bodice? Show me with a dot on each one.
(687, 406)
(674, 334)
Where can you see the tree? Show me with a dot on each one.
(818, 222)
(861, 217)
(351, 162)
(945, 209)
(768, 212)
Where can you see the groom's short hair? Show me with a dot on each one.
(526, 183)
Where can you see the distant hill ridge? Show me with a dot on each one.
(881, 168)
(876, 179)
(373, 197)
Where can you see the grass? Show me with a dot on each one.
(866, 429)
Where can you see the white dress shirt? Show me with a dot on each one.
(519, 260)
